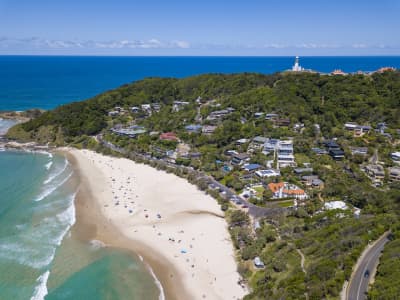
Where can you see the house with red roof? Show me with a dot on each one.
(168, 136)
(286, 190)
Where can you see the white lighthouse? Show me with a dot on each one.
(296, 67)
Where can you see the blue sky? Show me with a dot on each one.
(205, 27)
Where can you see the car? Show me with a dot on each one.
(366, 273)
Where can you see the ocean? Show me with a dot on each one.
(48, 81)
(40, 257)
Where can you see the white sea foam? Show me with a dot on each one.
(52, 188)
(158, 283)
(56, 173)
(43, 239)
(48, 165)
(34, 257)
(41, 289)
(68, 218)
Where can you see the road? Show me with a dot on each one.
(254, 211)
(359, 282)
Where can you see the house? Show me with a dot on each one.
(394, 174)
(395, 156)
(336, 154)
(312, 181)
(230, 152)
(359, 150)
(162, 153)
(193, 128)
(282, 122)
(168, 136)
(258, 263)
(381, 127)
(239, 159)
(267, 173)
(334, 149)
(270, 146)
(299, 171)
(132, 131)
(220, 114)
(156, 107)
(208, 129)
(119, 109)
(146, 108)
(335, 205)
(285, 154)
(271, 116)
(258, 115)
(358, 130)
(182, 150)
(376, 172)
(386, 69)
(135, 109)
(319, 151)
(298, 127)
(258, 142)
(241, 142)
(331, 145)
(113, 113)
(251, 167)
(338, 72)
(285, 190)
(179, 105)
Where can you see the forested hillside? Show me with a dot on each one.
(309, 98)
(206, 122)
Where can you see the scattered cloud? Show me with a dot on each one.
(39, 43)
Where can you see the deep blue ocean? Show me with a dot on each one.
(48, 81)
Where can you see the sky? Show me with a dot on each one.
(203, 27)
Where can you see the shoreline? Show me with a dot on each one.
(99, 219)
(92, 225)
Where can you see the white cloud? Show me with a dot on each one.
(359, 46)
(38, 43)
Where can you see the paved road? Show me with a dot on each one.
(359, 282)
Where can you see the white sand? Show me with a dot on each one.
(189, 221)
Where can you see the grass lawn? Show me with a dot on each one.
(286, 203)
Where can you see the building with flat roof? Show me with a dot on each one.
(394, 174)
(376, 172)
(285, 154)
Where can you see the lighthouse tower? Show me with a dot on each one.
(297, 67)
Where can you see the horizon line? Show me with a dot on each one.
(247, 56)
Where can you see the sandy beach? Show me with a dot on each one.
(178, 230)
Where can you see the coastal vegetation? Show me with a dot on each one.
(308, 251)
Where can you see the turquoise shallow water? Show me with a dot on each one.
(39, 256)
